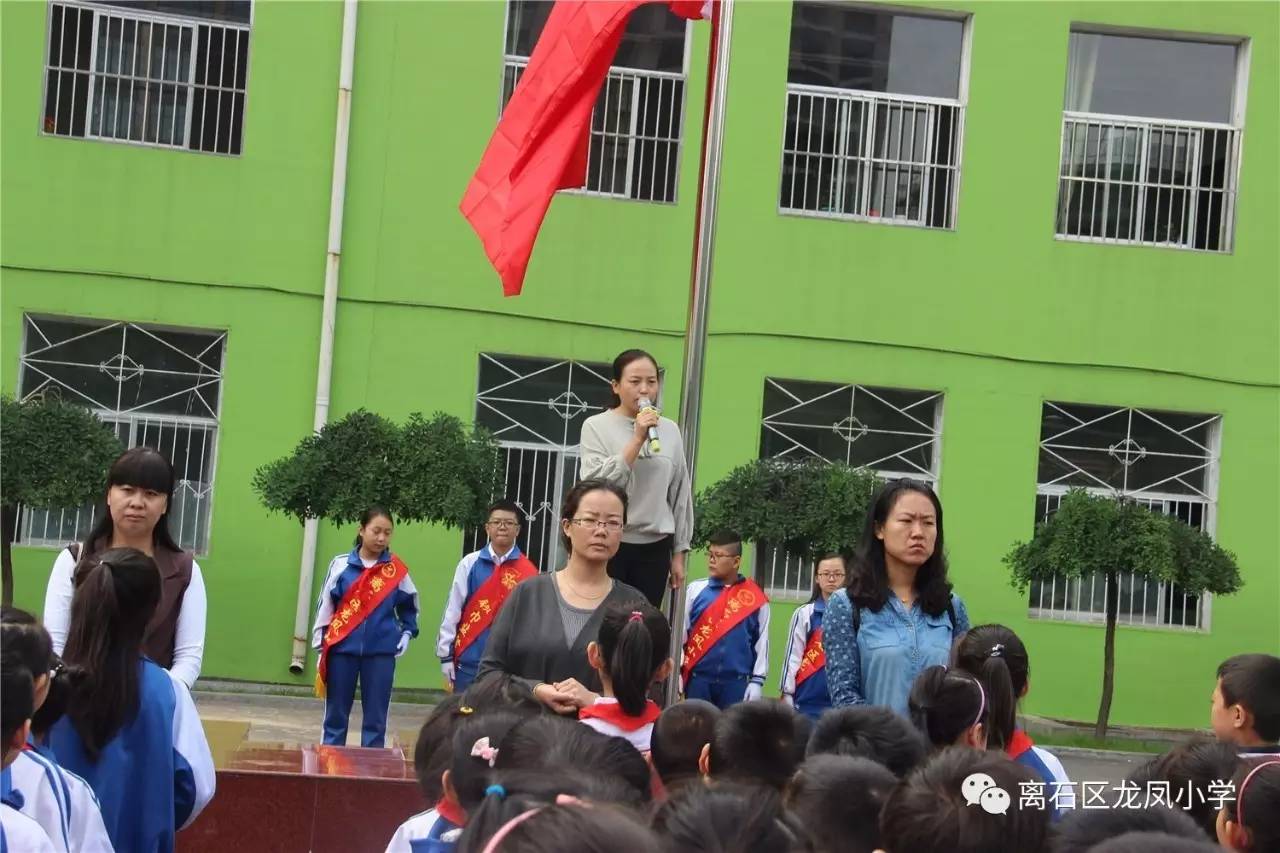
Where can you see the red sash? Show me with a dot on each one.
(734, 604)
(370, 589)
(612, 713)
(478, 615)
(815, 657)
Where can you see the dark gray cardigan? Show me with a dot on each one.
(527, 637)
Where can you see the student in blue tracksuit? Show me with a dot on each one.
(460, 651)
(810, 696)
(131, 730)
(363, 640)
(18, 832)
(725, 667)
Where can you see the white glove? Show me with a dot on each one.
(753, 692)
(789, 699)
(450, 673)
(403, 645)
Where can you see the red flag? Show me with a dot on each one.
(540, 143)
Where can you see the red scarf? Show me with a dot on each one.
(451, 812)
(612, 713)
(1018, 744)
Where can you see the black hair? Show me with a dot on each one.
(27, 638)
(1196, 764)
(1154, 842)
(1081, 830)
(573, 499)
(928, 812)
(430, 760)
(997, 657)
(1260, 801)
(945, 703)
(504, 505)
(17, 696)
(678, 737)
(143, 468)
(870, 731)
(730, 819)
(839, 799)
(634, 641)
(115, 597)
(596, 825)
(730, 540)
(759, 742)
(369, 515)
(497, 690)
(1253, 681)
(470, 768)
(548, 740)
(868, 581)
(816, 593)
(620, 364)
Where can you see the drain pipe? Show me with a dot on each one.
(324, 368)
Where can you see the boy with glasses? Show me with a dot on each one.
(726, 651)
(481, 584)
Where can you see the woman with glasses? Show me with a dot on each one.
(616, 446)
(541, 635)
(481, 584)
(804, 672)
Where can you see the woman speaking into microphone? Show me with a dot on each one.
(631, 445)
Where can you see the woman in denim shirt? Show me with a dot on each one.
(897, 616)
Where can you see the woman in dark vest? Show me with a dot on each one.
(136, 515)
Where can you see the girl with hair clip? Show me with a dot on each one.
(131, 728)
(630, 654)
(804, 671)
(366, 616)
(135, 514)
(949, 707)
(1250, 823)
(996, 657)
(57, 799)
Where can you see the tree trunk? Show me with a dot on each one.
(1108, 656)
(8, 529)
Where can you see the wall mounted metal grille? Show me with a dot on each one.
(638, 121)
(157, 387)
(868, 156)
(1166, 461)
(535, 408)
(1154, 183)
(893, 431)
(127, 73)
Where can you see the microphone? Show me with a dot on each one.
(646, 403)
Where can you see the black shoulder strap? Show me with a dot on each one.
(951, 613)
(74, 548)
(857, 616)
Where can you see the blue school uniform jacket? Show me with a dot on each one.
(155, 775)
(741, 653)
(472, 572)
(59, 800)
(812, 693)
(379, 633)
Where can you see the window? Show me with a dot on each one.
(155, 72)
(637, 124)
(1145, 160)
(892, 431)
(875, 115)
(1166, 461)
(535, 408)
(158, 387)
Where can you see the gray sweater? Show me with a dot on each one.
(659, 500)
(527, 639)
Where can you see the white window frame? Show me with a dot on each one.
(128, 422)
(844, 101)
(1207, 499)
(193, 23)
(1145, 127)
(619, 75)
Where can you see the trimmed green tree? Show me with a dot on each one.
(53, 454)
(1096, 534)
(807, 507)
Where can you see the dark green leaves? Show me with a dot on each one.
(53, 453)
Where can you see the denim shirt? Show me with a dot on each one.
(877, 664)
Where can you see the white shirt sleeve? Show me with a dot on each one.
(188, 638)
(189, 742)
(324, 607)
(453, 607)
(23, 833)
(57, 599)
(797, 637)
(87, 833)
(761, 671)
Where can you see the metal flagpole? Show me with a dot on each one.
(695, 341)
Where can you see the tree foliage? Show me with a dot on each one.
(53, 454)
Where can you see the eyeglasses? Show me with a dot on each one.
(612, 525)
(717, 555)
(502, 524)
(831, 576)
